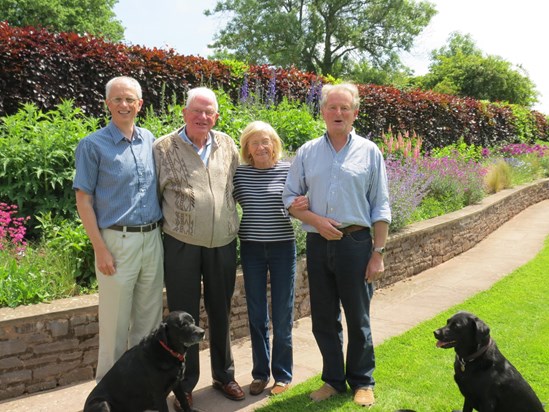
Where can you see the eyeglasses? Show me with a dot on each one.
(207, 113)
(343, 109)
(263, 142)
(128, 100)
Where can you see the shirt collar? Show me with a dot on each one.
(183, 134)
(117, 135)
(352, 134)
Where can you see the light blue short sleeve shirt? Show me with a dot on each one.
(120, 175)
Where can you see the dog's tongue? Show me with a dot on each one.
(441, 344)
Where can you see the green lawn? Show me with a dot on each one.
(412, 373)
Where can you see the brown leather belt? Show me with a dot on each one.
(133, 229)
(352, 228)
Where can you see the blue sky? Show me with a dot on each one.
(517, 31)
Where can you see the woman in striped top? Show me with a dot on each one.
(267, 245)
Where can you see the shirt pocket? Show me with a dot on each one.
(359, 171)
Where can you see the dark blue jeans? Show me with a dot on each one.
(337, 274)
(279, 260)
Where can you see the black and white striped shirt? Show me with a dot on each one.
(259, 193)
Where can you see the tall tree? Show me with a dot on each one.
(319, 35)
(462, 69)
(94, 17)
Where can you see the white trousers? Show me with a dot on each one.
(130, 301)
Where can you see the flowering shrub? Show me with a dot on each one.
(408, 185)
(12, 229)
(523, 163)
(403, 145)
(455, 181)
(518, 149)
(427, 187)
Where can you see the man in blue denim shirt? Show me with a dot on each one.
(344, 177)
(117, 200)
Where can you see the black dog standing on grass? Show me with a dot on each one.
(144, 376)
(486, 379)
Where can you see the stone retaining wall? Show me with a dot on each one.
(48, 345)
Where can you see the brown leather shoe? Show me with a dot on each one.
(326, 391)
(279, 387)
(177, 404)
(257, 386)
(231, 390)
(364, 396)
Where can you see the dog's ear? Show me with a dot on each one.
(483, 332)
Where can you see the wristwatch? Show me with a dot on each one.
(380, 250)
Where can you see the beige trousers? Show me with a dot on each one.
(130, 301)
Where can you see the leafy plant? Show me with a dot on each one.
(292, 120)
(37, 158)
(32, 273)
(37, 276)
(169, 119)
(68, 238)
(459, 150)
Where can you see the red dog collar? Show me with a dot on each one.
(175, 354)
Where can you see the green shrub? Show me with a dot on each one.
(430, 208)
(525, 123)
(460, 150)
(39, 275)
(68, 238)
(292, 120)
(37, 159)
(169, 119)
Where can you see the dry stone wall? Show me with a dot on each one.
(55, 344)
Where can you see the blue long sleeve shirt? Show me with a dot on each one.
(349, 186)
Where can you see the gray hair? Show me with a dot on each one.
(130, 81)
(342, 87)
(204, 92)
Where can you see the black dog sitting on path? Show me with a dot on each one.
(145, 375)
(486, 379)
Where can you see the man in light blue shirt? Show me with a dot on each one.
(117, 200)
(344, 177)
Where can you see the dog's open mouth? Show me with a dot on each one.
(444, 345)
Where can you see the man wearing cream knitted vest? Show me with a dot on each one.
(195, 168)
